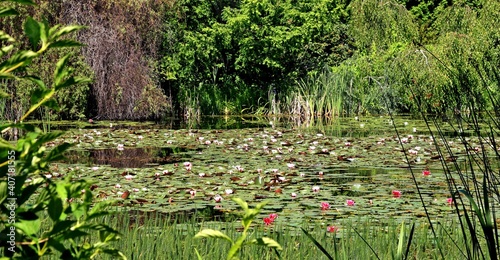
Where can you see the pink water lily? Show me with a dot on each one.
(273, 216)
(217, 198)
(349, 202)
(315, 188)
(332, 229)
(325, 205)
(396, 193)
(426, 172)
(268, 221)
(449, 201)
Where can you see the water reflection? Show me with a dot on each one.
(128, 158)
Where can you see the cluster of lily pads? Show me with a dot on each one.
(186, 170)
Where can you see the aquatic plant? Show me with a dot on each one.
(247, 219)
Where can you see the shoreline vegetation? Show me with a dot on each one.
(155, 59)
(303, 188)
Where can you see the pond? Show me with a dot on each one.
(355, 167)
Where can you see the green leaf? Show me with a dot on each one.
(3, 94)
(57, 152)
(67, 29)
(317, 244)
(265, 241)
(55, 209)
(3, 191)
(37, 81)
(233, 251)
(61, 70)
(28, 223)
(32, 30)
(399, 253)
(5, 144)
(72, 81)
(4, 50)
(52, 104)
(40, 94)
(61, 226)
(25, 2)
(61, 190)
(205, 233)
(65, 43)
(5, 37)
(242, 203)
(7, 11)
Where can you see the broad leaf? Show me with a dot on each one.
(32, 30)
(212, 233)
(61, 70)
(265, 241)
(65, 43)
(67, 29)
(7, 11)
(28, 222)
(55, 208)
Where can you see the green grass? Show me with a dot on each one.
(173, 238)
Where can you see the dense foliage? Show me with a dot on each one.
(153, 57)
(28, 193)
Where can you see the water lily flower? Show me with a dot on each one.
(95, 168)
(315, 188)
(290, 165)
(217, 198)
(413, 152)
(302, 174)
(332, 229)
(229, 191)
(157, 174)
(140, 137)
(129, 177)
(273, 216)
(324, 150)
(239, 168)
(449, 201)
(325, 205)
(192, 193)
(201, 174)
(207, 142)
(259, 170)
(135, 190)
(165, 172)
(268, 221)
(349, 202)
(170, 142)
(294, 195)
(347, 144)
(82, 191)
(406, 123)
(426, 172)
(320, 173)
(120, 147)
(396, 193)
(275, 170)
(281, 178)
(404, 140)
(361, 125)
(201, 138)
(118, 186)
(410, 136)
(312, 147)
(414, 129)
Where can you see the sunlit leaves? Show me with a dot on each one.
(206, 233)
